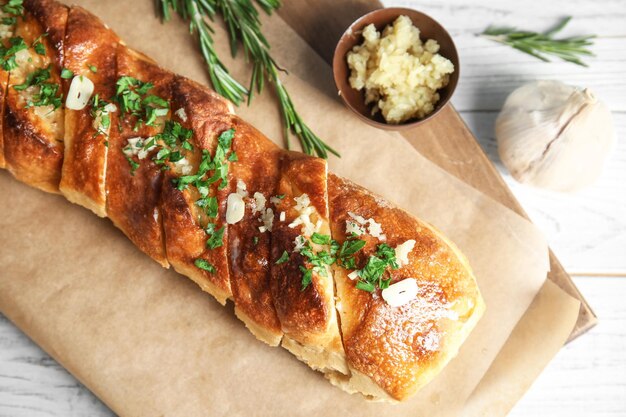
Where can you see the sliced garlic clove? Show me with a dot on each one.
(402, 252)
(79, 93)
(235, 208)
(401, 292)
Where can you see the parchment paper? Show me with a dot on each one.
(148, 342)
(529, 348)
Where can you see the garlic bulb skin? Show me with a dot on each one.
(553, 135)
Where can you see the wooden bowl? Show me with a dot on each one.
(429, 29)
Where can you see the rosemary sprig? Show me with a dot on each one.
(193, 11)
(244, 26)
(541, 44)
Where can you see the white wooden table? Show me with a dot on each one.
(587, 231)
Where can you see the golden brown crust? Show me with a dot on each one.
(33, 136)
(207, 115)
(30, 159)
(52, 16)
(399, 347)
(248, 248)
(88, 42)
(133, 197)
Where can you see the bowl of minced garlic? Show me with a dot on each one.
(396, 68)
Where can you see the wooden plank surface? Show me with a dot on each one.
(445, 140)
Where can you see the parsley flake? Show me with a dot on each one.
(8, 54)
(8, 21)
(204, 265)
(66, 74)
(39, 48)
(133, 165)
(216, 239)
(307, 276)
(345, 252)
(209, 204)
(283, 258)
(320, 239)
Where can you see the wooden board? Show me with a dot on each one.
(445, 140)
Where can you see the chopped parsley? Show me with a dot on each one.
(319, 260)
(93, 68)
(373, 273)
(13, 7)
(173, 137)
(345, 252)
(341, 254)
(48, 94)
(216, 239)
(320, 239)
(133, 165)
(8, 54)
(66, 74)
(209, 204)
(38, 45)
(218, 164)
(370, 277)
(255, 240)
(133, 98)
(204, 265)
(283, 258)
(307, 275)
(8, 21)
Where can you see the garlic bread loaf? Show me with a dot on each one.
(375, 299)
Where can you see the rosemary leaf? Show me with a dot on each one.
(541, 45)
(195, 11)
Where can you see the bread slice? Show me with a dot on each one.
(249, 240)
(306, 311)
(394, 351)
(90, 51)
(200, 110)
(32, 134)
(134, 194)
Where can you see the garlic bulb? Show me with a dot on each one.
(552, 135)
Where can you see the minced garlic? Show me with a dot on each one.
(400, 74)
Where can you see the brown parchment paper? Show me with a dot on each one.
(148, 342)
(520, 361)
